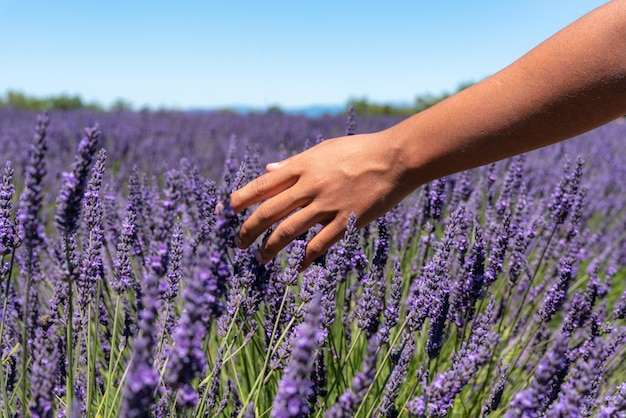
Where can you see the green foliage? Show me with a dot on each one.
(422, 102)
(121, 105)
(275, 109)
(64, 102)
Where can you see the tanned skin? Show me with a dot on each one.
(571, 83)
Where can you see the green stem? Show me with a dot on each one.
(110, 368)
(260, 378)
(3, 388)
(380, 367)
(534, 276)
(25, 321)
(69, 337)
(69, 383)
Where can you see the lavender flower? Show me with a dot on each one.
(614, 405)
(387, 408)
(202, 296)
(124, 276)
(214, 384)
(370, 304)
(43, 371)
(206, 198)
(351, 122)
(545, 387)
(556, 295)
(440, 394)
(471, 287)
(350, 255)
(495, 395)
(295, 387)
(438, 317)
(142, 380)
(350, 400)
(433, 282)
(512, 183)
(31, 198)
(8, 238)
(92, 268)
(564, 194)
(391, 313)
(498, 250)
(578, 394)
(69, 200)
(436, 199)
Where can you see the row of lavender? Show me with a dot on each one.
(492, 292)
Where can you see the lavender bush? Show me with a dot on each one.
(493, 292)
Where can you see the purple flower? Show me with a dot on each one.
(557, 293)
(438, 316)
(8, 236)
(351, 122)
(202, 303)
(436, 199)
(498, 250)
(512, 182)
(371, 303)
(45, 357)
(614, 405)
(92, 267)
(169, 208)
(578, 394)
(348, 403)
(473, 354)
(123, 276)
(214, 384)
(391, 313)
(73, 186)
(471, 287)
(142, 380)
(295, 387)
(387, 407)
(428, 290)
(206, 198)
(495, 395)
(349, 254)
(544, 389)
(31, 198)
(565, 193)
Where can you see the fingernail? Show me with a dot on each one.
(238, 242)
(272, 166)
(224, 209)
(259, 257)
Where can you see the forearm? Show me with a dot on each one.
(571, 83)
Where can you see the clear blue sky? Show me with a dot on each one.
(291, 53)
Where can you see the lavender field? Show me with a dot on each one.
(496, 292)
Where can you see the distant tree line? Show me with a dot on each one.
(362, 107)
(19, 100)
(422, 102)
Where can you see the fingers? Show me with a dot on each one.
(295, 226)
(267, 214)
(261, 188)
(324, 239)
(288, 230)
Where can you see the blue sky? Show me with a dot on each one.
(190, 54)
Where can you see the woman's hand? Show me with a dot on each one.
(322, 185)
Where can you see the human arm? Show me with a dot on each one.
(571, 83)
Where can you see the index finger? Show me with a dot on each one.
(261, 188)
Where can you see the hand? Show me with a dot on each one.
(322, 185)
